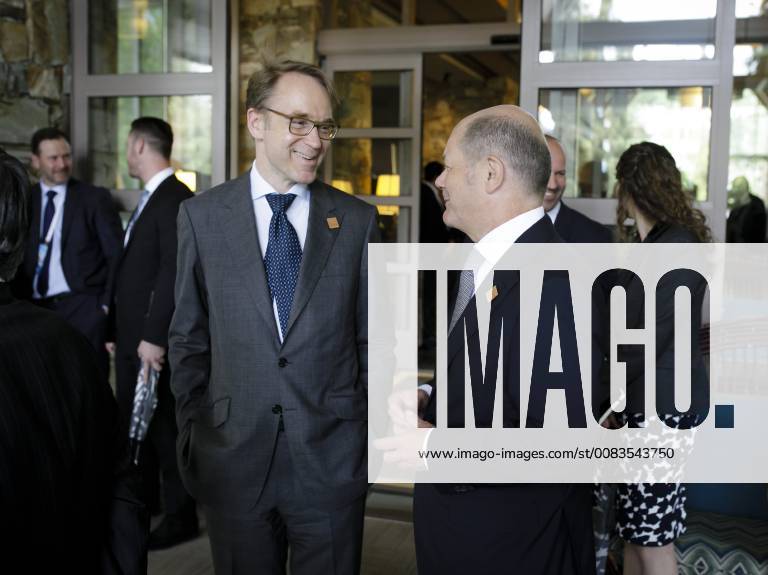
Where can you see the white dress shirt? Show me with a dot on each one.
(493, 245)
(554, 211)
(297, 214)
(152, 184)
(57, 283)
(490, 249)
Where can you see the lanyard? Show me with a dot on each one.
(45, 246)
(52, 227)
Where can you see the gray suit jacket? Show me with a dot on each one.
(231, 375)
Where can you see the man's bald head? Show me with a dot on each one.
(515, 137)
(496, 168)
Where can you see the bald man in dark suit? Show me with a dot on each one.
(570, 225)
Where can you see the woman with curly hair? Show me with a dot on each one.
(650, 191)
(650, 516)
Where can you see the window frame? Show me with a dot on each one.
(716, 74)
(215, 83)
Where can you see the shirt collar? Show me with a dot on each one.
(155, 181)
(495, 243)
(260, 187)
(58, 188)
(554, 211)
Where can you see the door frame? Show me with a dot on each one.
(395, 63)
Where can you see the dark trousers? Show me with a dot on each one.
(486, 530)
(322, 541)
(158, 452)
(83, 312)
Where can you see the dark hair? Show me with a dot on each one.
(262, 83)
(43, 134)
(521, 148)
(14, 198)
(432, 170)
(647, 173)
(156, 133)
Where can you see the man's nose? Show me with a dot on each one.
(552, 183)
(313, 138)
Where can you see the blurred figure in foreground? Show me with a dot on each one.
(59, 446)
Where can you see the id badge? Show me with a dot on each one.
(42, 252)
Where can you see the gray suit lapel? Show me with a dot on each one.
(317, 247)
(239, 224)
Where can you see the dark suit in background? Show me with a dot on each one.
(142, 310)
(665, 326)
(542, 529)
(576, 228)
(747, 223)
(431, 226)
(59, 448)
(91, 244)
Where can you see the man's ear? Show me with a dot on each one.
(255, 120)
(494, 174)
(35, 161)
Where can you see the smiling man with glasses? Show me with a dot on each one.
(269, 344)
(301, 126)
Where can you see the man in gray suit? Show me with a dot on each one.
(269, 345)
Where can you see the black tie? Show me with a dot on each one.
(42, 276)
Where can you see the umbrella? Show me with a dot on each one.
(144, 404)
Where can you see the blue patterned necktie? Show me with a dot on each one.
(283, 257)
(42, 276)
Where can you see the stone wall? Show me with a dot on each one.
(35, 71)
(272, 29)
(347, 14)
(444, 106)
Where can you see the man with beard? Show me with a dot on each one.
(73, 245)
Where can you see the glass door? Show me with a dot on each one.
(377, 154)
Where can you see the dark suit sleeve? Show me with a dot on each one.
(189, 335)
(110, 234)
(372, 236)
(160, 308)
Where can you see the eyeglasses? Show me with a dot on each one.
(304, 126)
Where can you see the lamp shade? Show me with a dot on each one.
(343, 185)
(388, 185)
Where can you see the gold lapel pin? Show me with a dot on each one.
(492, 293)
(333, 223)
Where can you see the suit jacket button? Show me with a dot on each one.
(276, 409)
(282, 362)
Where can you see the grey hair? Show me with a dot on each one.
(261, 84)
(521, 148)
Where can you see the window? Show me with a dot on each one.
(149, 57)
(609, 30)
(595, 126)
